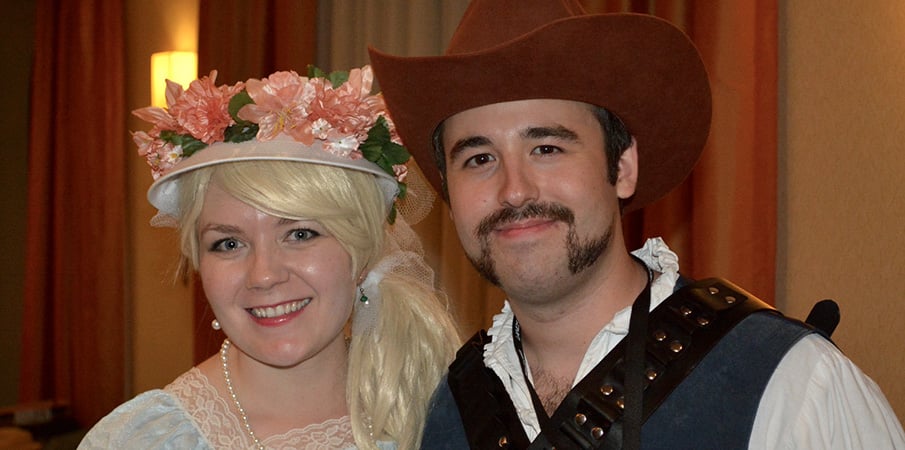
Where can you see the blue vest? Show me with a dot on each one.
(713, 408)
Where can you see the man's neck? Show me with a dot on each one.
(556, 333)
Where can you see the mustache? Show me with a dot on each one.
(552, 211)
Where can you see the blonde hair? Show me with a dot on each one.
(395, 365)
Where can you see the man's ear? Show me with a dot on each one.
(627, 177)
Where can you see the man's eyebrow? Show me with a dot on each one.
(463, 144)
(559, 132)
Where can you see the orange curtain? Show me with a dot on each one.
(722, 220)
(243, 40)
(73, 315)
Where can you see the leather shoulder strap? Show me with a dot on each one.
(488, 415)
(682, 331)
(716, 404)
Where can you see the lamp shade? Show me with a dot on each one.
(181, 67)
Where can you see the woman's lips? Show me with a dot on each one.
(278, 313)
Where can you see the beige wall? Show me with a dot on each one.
(842, 166)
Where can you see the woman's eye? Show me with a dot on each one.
(303, 234)
(225, 245)
(478, 160)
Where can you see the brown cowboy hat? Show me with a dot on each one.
(642, 68)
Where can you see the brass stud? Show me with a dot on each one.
(580, 419)
(703, 321)
(620, 402)
(660, 335)
(606, 389)
(651, 374)
(675, 346)
(597, 433)
(729, 299)
(713, 290)
(685, 311)
(504, 442)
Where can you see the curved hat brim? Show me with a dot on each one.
(164, 192)
(640, 67)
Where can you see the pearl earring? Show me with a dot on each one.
(215, 324)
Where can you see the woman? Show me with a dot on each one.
(284, 190)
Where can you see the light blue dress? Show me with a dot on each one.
(190, 414)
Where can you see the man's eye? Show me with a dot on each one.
(303, 234)
(225, 245)
(478, 160)
(546, 150)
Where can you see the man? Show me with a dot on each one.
(546, 125)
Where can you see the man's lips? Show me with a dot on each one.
(521, 227)
(282, 309)
(528, 218)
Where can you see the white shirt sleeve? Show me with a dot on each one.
(818, 399)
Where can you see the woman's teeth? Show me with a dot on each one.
(279, 310)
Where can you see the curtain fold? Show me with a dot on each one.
(402, 27)
(73, 336)
(242, 40)
(722, 220)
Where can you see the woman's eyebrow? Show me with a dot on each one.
(220, 228)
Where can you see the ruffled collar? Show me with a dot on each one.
(501, 357)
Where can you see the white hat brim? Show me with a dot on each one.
(164, 193)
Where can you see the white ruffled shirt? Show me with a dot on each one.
(816, 399)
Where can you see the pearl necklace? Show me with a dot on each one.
(224, 358)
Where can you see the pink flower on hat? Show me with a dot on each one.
(281, 104)
(337, 110)
(161, 155)
(351, 111)
(400, 171)
(203, 109)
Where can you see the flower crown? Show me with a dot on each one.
(336, 109)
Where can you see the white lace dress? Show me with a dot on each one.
(190, 414)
